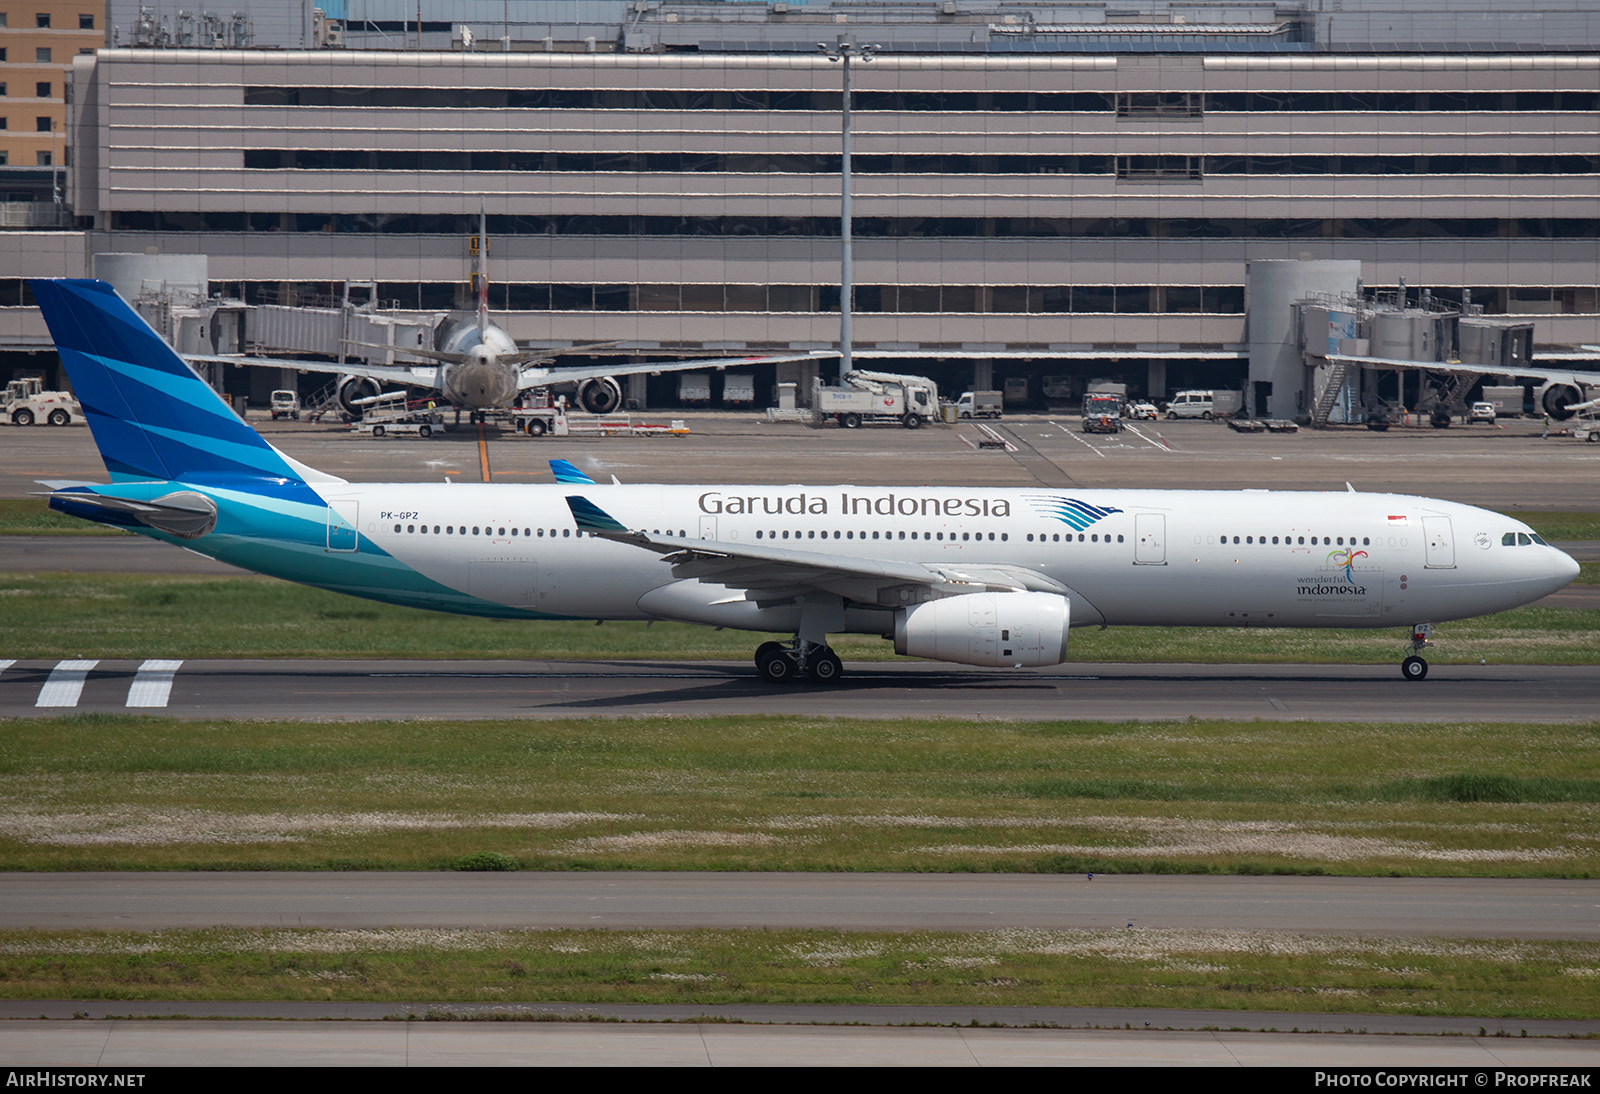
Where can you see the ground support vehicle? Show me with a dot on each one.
(392, 414)
(1102, 412)
(738, 389)
(403, 428)
(539, 421)
(1481, 412)
(884, 397)
(1586, 421)
(285, 404)
(1204, 404)
(28, 403)
(979, 404)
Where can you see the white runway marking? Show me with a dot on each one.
(1135, 431)
(5, 664)
(1079, 439)
(152, 685)
(65, 684)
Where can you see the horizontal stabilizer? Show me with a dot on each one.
(184, 514)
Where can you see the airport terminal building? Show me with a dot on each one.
(1070, 191)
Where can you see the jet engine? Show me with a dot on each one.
(1556, 397)
(600, 396)
(352, 388)
(999, 630)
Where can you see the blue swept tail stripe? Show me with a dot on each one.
(152, 415)
(591, 518)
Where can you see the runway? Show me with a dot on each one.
(1529, 908)
(351, 690)
(137, 1046)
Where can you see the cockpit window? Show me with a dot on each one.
(1523, 539)
(1508, 540)
(1539, 540)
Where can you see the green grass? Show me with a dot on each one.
(1312, 974)
(1561, 526)
(110, 616)
(32, 517)
(110, 792)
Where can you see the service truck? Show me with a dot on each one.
(27, 402)
(979, 404)
(1507, 400)
(1102, 412)
(738, 388)
(863, 396)
(694, 387)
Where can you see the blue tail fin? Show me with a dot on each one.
(566, 471)
(152, 415)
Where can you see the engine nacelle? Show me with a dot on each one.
(1556, 397)
(352, 388)
(998, 630)
(600, 396)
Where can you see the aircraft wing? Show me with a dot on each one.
(772, 575)
(1560, 375)
(545, 377)
(415, 375)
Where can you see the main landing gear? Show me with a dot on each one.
(783, 662)
(1414, 667)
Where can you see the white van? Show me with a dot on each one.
(1191, 404)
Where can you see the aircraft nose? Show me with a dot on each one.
(1563, 567)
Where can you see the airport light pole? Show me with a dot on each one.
(840, 53)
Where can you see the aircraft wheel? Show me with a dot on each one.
(22, 417)
(377, 431)
(824, 666)
(536, 427)
(912, 421)
(778, 666)
(1414, 668)
(850, 421)
(59, 417)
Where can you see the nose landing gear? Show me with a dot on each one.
(1414, 667)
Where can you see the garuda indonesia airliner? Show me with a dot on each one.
(989, 577)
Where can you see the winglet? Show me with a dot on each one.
(591, 518)
(567, 472)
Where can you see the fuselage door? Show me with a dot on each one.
(708, 527)
(342, 525)
(1441, 543)
(1150, 539)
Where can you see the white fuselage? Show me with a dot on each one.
(485, 378)
(1126, 557)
